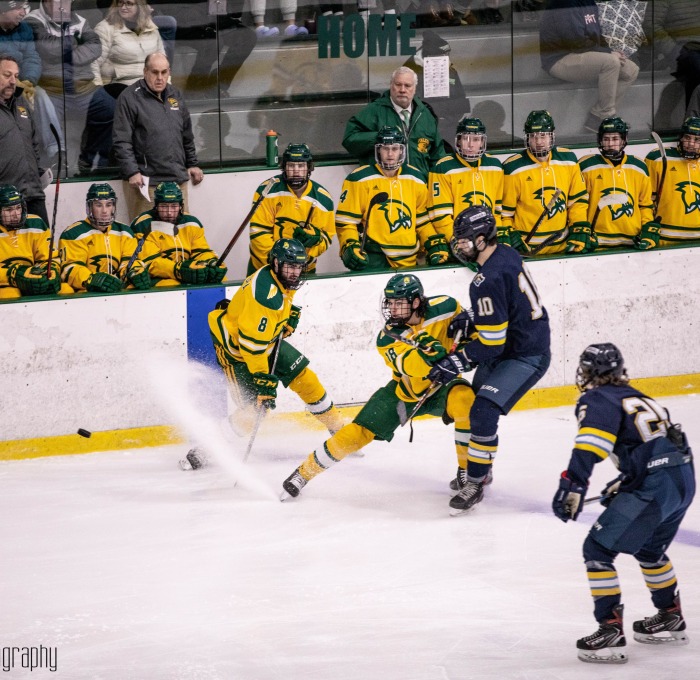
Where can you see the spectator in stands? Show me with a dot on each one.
(573, 49)
(175, 249)
(17, 40)
(127, 34)
(397, 107)
(67, 47)
(152, 136)
(289, 11)
(20, 157)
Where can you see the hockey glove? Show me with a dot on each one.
(265, 385)
(430, 350)
(437, 249)
(517, 242)
(192, 272)
(139, 277)
(611, 490)
(215, 274)
(308, 236)
(450, 367)
(32, 280)
(101, 282)
(462, 322)
(352, 255)
(579, 240)
(292, 321)
(568, 500)
(648, 237)
(503, 235)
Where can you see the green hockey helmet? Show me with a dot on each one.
(10, 198)
(470, 138)
(689, 141)
(392, 138)
(611, 126)
(398, 302)
(100, 192)
(539, 133)
(297, 153)
(168, 193)
(288, 261)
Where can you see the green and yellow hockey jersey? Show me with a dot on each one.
(282, 211)
(455, 184)
(247, 329)
(399, 226)
(409, 369)
(85, 250)
(28, 245)
(678, 206)
(529, 185)
(619, 223)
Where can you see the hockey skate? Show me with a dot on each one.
(194, 460)
(460, 479)
(666, 627)
(471, 494)
(292, 485)
(605, 645)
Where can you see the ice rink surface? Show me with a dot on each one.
(136, 570)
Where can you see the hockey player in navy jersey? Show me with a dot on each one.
(644, 504)
(510, 344)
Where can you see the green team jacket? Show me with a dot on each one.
(425, 147)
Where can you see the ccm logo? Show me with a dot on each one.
(654, 463)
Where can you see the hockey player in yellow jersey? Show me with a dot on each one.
(175, 249)
(675, 184)
(629, 221)
(531, 180)
(382, 217)
(468, 177)
(295, 207)
(419, 331)
(245, 332)
(97, 252)
(24, 250)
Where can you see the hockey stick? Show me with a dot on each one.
(54, 132)
(247, 219)
(604, 202)
(664, 166)
(594, 499)
(376, 200)
(550, 204)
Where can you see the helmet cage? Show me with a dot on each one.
(289, 262)
(470, 128)
(612, 126)
(11, 198)
(600, 364)
(472, 223)
(398, 300)
(296, 153)
(691, 128)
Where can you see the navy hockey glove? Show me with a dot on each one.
(215, 274)
(192, 272)
(449, 368)
(568, 500)
(352, 255)
(437, 249)
(139, 277)
(265, 385)
(102, 282)
(308, 236)
(292, 321)
(462, 322)
(648, 237)
(579, 240)
(430, 350)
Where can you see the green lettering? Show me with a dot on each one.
(353, 36)
(381, 35)
(406, 33)
(328, 28)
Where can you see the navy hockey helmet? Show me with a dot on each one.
(288, 261)
(470, 129)
(100, 192)
(296, 153)
(392, 137)
(469, 225)
(406, 289)
(539, 133)
(611, 126)
(10, 198)
(599, 364)
(689, 141)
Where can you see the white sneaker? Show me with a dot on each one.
(267, 31)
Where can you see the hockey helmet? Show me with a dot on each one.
(390, 136)
(469, 225)
(690, 146)
(539, 125)
(599, 364)
(288, 261)
(406, 288)
(168, 193)
(296, 153)
(100, 192)
(10, 198)
(470, 129)
(611, 126)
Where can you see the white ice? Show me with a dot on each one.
(134, 569)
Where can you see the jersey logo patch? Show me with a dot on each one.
(22, 112)
(470, 199)
(478, 280)
(272, 292)
(397, 215)
(423, 144)
(690, 193)
(174, 104)
(545, 195)
(625, 209)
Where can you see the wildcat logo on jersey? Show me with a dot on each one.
(545, 195)
(472, 198)
(397, 215)
(690, 193)
(626, 209)
(96, 263)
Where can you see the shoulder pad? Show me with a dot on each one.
(266, 291)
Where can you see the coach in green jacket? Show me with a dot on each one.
(397, 107)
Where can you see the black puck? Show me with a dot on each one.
(84, 433)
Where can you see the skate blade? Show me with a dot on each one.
(185, 464)
(673, 639)
(284, 497)
(358, 454)
(606, 655)
(456, 512)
